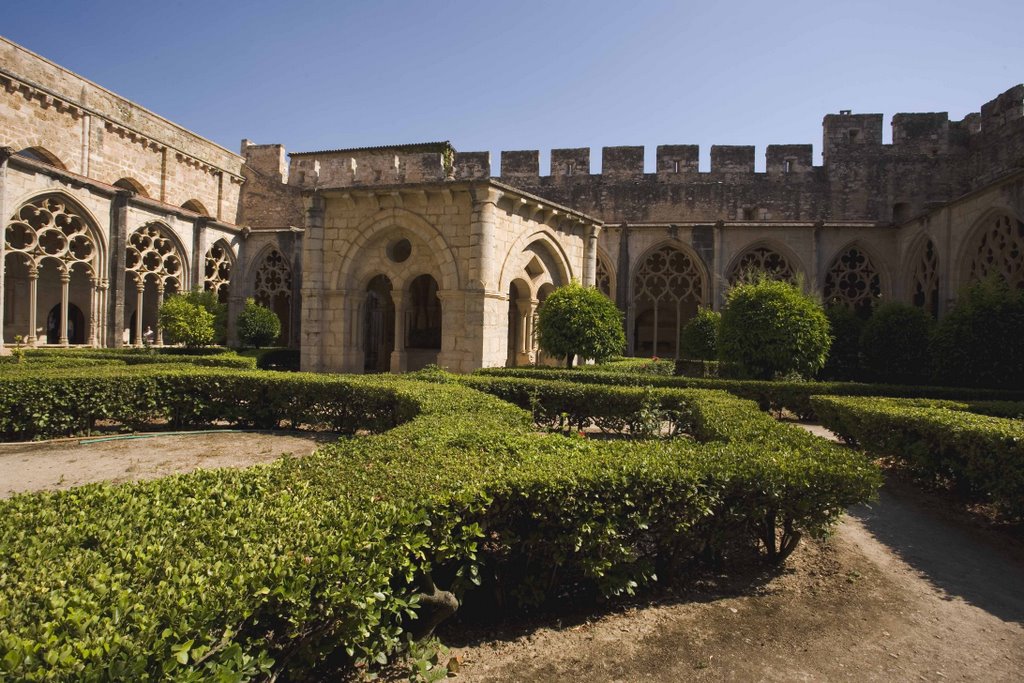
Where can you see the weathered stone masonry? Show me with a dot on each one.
(388, 258)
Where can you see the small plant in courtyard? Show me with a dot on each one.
(699, 338)
(257, 325)
(186, 322)
(580, 321)
(771, 328)
(894, 344)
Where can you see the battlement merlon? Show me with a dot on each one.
(732, 158)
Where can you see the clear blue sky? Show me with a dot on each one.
(530, 75)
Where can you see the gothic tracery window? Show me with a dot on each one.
(762, 260)
(217, 276)
(272, 288)
(603, 279)
(925, 281)
(49, 228)
(853, 280)
(152, 255)
(667, 288)
(999, 250)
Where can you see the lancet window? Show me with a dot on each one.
(853, 280)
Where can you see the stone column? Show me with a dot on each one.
(314, 288)
(158, 335)
(5, 154)
(140, 289)
(33, 288)
(717, 274)
(398, 356)
(94, 305)
(817, 281)
(65, 286)
(198, 254)
(590, 255)
(621, 293)
(118, 243)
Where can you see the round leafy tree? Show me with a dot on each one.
(844, 356)
(771, 328)
(978, 342)
(257, 325)
(894, 344)
(699, 338)
(186, 322)
(580, 321)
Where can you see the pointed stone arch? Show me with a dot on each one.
(922, 272)
(765, 256)
(133, 185)
(605, 278)
(54, 258)
(995, 247)
(272, 281)
(155, 267)
(40, 153)
(195, 206)
(667, 284)
(854, 279)
(219, 262)
(537, 257)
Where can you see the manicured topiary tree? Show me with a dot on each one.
(772, 328)
(978, 343)
(699, 338)
(894, 344)
(844, 355)
(580, 321)
(186, 322)
(257, 325)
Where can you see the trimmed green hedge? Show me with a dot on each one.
(774, 395)
(281, 568)
(212, 357)
(979, 446)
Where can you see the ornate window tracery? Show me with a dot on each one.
(52, 247)
(999, 250)
(926, 280)
(49, 228)
(272, 287)
(667, 287)
(217, 276)
(762, 259)
(603, 279)
(152, 254)
(853, 280)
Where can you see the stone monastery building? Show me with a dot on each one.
(389, 258)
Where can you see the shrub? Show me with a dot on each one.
(978, 342)
(699, 338)
(772, 328)
(257, 325)
(843, 361)
(185, 322)
(271, 571)
(894, 344)
(580, 321)
(945, 440)
(208, 300)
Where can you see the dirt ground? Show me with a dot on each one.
(905, 590)
(64, 463)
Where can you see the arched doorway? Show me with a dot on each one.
(378, 325)
(76, 325)
(423, 323)
(520, 325)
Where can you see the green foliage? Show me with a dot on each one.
(844, 355)
(204, 357)
(580, 321)
(772, 328)
(774, 395)
(699, 338)
(641, 366)
(185, 322)
(276, 570)
(982, 454)
(208, 300)
(978, 343)
(894, 344)
(257, 325)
